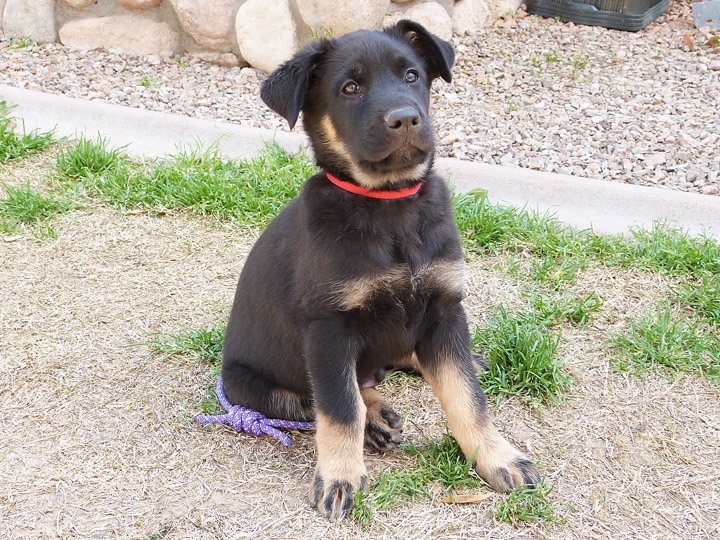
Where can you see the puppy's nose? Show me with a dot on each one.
(404, 117)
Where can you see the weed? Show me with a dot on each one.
(205, 344)
(13, 146)
(663, 342)
(25, 205)
(522, 351)
(88, 158)
(703, 295)
(20, 42)
(566, 308)
(148, 82)
(552, 57)
(438, 464)
(531, 504)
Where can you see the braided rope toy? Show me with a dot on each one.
(250, 421)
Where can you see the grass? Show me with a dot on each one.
(205, 344)
(20, 42)
(703, 295)
(439, 463)
(534, 504)
(564, 308)
(663, 342)
(522, 354)
(564, 249)
(441, 467)
(248, 192)
(23, 205)
(14, 146)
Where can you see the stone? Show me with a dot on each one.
(258, 19)
(470, 16)
(79, 4)
(34, 19)
(129, 34)
(502, 7)
(140, 4)
(219, 59)
(338, 18)
(2, 8)
(433, 17)
(209, 23)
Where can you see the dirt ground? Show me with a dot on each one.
(97, 438)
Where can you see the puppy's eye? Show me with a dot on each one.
(411, 76)
(350, 88)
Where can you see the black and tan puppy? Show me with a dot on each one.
(363, 269)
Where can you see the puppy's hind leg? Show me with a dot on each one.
(383, 426)
(246, 388)
(447, 365)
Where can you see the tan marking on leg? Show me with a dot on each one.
(478, 438)
(340, 448)
(448, 276)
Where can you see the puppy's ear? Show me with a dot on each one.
(437, 52)
(285, 88)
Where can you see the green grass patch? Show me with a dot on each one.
(23, 205)
(249, 192)
(527, 505)
(14, 146)
(564, 308)
(665, 343)
(89, 158)
(204, 344)
(563, 249)
(522, 353)
(703, 295)
(438, 463)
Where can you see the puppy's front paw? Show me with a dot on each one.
(334, 498)
(507, 468)
(383, 429)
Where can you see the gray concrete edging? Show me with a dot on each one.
(607, 207)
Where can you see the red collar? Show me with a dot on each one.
(374, 193)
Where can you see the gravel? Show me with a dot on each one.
(640, 108)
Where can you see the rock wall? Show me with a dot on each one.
(262, 33)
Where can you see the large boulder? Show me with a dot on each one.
(138, 4)
(130, 34)
(266, 33)
(2, 8)
(469, 16)
(34, 19)
(433, 17)
(209, 22)
(338, 17)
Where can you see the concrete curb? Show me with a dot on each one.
(607, 207)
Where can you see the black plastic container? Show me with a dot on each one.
(630, 15)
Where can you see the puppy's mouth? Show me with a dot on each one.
(405, 157)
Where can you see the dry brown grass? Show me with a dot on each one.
(97, 438)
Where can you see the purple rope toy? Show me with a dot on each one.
(250, 421)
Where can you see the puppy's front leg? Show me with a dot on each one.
(447, 365)
(331, 354)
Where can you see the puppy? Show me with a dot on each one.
(363, 271)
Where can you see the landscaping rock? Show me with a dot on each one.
(79, 4)
(258, 19)
(139, 4)
(2, 8)
(34, 19)
(401, 7)
(128, 34)
(338, 18)
(209, 22)
(469, 16)
(219, 59)
(433, 17)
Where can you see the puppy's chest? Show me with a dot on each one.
(401, 286)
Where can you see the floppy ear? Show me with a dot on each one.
(437, 52)
(285, 89)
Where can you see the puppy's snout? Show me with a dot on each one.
(403, 118)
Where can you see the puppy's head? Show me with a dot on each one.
(364, 98)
